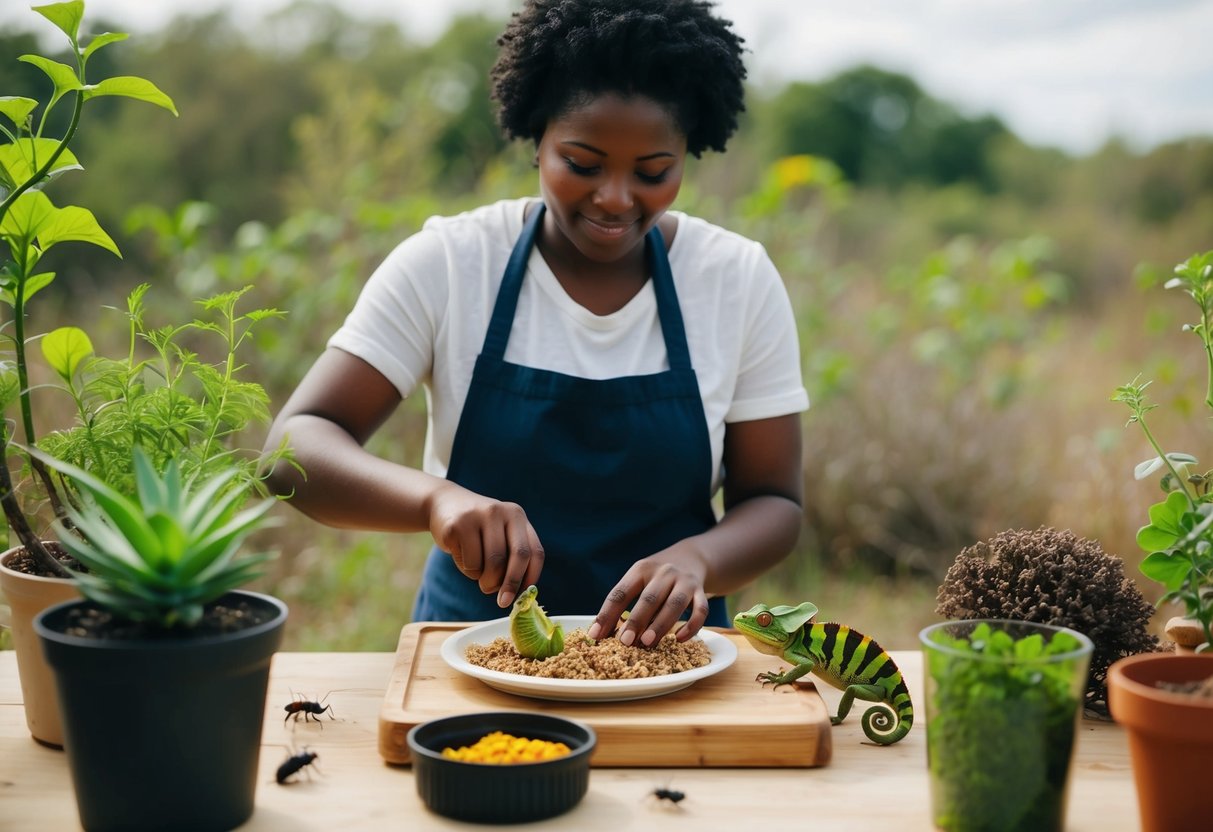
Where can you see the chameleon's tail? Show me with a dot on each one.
(884, 727)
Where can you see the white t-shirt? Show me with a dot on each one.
(422, 317)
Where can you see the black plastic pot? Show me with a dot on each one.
(164, 733)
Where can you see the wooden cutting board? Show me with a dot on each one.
(726, 720)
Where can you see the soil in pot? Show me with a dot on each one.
(1198, 689)
(22, 561)
(219, 618)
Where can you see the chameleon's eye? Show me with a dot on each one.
(764, 619)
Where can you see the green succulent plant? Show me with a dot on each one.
(160, 556)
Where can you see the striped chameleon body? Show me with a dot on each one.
(839, 656)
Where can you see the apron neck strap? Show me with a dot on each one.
(511, 284)
(668, 312)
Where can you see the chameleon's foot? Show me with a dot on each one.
(770, 678)
(835, 720)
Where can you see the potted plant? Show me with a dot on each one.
(162, 668)
(1158, 698)
(31, 575)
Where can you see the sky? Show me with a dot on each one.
(1063, 73)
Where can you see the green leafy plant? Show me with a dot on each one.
(1001, 724)
(171, 403)
(1179, 536)
(162, 555)
(31, 225)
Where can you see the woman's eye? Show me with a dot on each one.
(580, 170)
(653, 178)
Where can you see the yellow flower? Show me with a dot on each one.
(793, 171)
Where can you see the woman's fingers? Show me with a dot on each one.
(496, 557)
(682, 596)
(525, 559)
(661, 597)
(490, 542)
(616, 602)
(465, 551)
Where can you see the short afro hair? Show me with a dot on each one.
(557, 53)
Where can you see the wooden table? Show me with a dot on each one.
(863, 788)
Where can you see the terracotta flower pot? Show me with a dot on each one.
(1170, 736)
(27, 596)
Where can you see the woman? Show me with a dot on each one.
(596, 366)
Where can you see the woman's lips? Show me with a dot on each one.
(607, 228)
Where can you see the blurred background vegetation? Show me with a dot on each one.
(967, 302)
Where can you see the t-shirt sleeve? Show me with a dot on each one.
(393, 324)
(769, 383)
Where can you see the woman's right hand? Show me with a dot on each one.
(491, 542)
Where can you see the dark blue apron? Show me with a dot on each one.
(608, 471)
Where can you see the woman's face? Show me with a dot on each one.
(608, 170)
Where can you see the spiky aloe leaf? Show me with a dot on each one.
(164, 554)
(123, 513)
(216, 545)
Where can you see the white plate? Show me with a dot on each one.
(454, 649)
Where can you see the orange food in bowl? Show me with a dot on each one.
(502, 748)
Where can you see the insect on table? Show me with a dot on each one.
(309, 709)
(670, 796)
(294, 763)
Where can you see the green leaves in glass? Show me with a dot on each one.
(1002, 714)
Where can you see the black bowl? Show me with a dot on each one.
(500, 793)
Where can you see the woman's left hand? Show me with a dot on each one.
(664, 586)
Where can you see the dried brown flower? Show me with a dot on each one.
(1053, 577)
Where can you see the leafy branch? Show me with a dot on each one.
(31, 225)
(1179, 536)
(174, 404)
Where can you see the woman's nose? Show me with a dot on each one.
(614, 195)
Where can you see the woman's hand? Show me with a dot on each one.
(664, 586)
(491, 542)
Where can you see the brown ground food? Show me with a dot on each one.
(608, 658)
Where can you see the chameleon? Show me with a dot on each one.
(839, 656)
(535, 636)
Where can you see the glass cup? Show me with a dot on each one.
(1003, 701)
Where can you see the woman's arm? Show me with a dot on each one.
(339, 404)
(763, 497)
